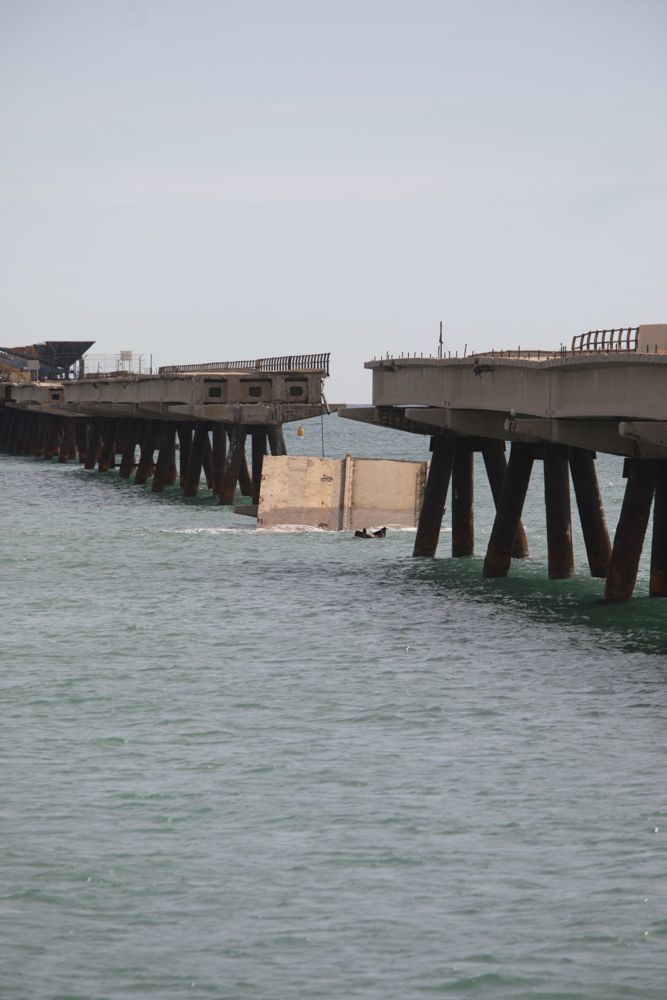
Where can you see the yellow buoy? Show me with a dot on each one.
(300, 432)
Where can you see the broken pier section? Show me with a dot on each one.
(606, 394)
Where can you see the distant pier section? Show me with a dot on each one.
(167, 427)
(606, 393)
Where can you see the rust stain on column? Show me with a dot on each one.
(207, 460)
(67, 444)
(591, 510)
(82, 435)
(184, 449)
(108, 450)
(219, 457)
(93, 444)
(39, 433)
(28, 437)
(495, 464)
(276, 440)
(631, 530)
(559, 515)
(165, 458)
(435, 496)
(129, 433)
(53, 438)
(22, 434)
(463, 523)
(233, 464)
(148, 445)
(193, 474)
(508, 514)
(245, 480)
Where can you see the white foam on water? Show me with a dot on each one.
(294, 529)
(203, 531)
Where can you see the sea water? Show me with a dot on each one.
(250, 765)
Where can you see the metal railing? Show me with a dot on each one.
(287, 363)
(623, 339)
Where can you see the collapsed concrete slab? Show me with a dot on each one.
(340, 494)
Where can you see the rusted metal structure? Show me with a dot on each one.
(287, 363)
(168, 427)
(51, 359)
(607, 393)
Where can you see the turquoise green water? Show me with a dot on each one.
(292, 765)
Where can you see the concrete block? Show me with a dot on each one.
(340, 494)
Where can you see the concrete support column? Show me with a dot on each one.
(508, 514)
(631, 530)
(559, 516)
(591, 511)
(463, 521)
(435, 496)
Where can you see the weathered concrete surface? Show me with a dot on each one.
(340, 494)
(624, 386)
(559, 407)
(381, 491)
(301, 490)
(652, 337)
(615, 402)
(232, 397)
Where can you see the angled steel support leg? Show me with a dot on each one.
(435, 496)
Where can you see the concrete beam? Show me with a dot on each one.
(621, 385)
(649, 437)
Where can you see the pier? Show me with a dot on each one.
(606, 393)
(171, 426)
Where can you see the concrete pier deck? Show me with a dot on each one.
(611, 401)
(266, 398)
(607, 393)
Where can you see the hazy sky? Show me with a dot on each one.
(207, 181)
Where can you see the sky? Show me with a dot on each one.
(212, 180)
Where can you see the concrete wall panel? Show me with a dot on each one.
(340, 494)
